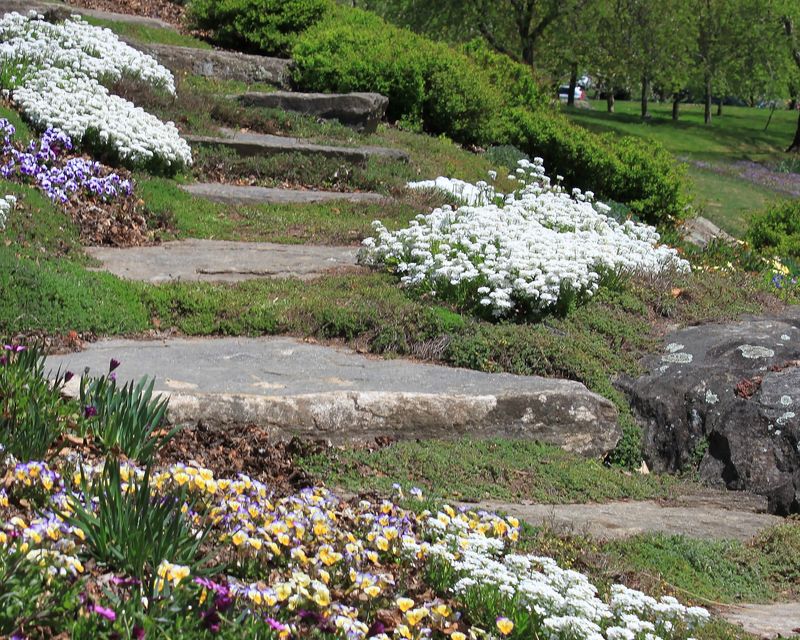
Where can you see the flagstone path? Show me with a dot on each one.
(309, 390)
(222, 261)
(780, 620)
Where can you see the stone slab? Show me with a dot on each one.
(362, 111)
(259, 144)
(219, 64)
(709, 518)
(243, 195)
(768, 621)
(701, 231)
(221, 261)
(308, 390)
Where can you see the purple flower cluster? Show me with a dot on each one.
(58, 177)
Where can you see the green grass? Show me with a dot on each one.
(24, 132)
(149, 35)
(728, 201)
(470, 470)
(765, 569)
(737, 135)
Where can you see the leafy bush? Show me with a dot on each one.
(443, 89)
(32, 412)
(643, 175)
(261, 26)
(776, 230)
(127, 418)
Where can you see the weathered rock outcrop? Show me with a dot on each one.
(728, 396)
(362, 111)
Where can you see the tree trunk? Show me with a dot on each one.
(795, 146)
(719, 107)
(792, 97)
(573, 83)
(707, 113)
(676, 105)
(645, 95)
(610, 101)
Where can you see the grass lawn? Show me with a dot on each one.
(737, 135)
(149, 35)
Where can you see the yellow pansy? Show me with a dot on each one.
(504, 625)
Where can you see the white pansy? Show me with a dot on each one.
(61, 72)
(538, 245)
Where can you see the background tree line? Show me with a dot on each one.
(700, 50)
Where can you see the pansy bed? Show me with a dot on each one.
(527, 252)
(96, 540)
(56, 75)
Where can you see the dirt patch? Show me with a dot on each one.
(165, 10)
(249, 451)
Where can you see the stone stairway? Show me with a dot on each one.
(259, 144)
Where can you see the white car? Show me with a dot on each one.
(563, 93)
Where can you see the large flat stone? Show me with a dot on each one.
(221, 261)
(259, 144)
(242, 195)
(767, 621)
(308, 390)
(219, 64)
(703, 518)
(362, 111)
(701, 231)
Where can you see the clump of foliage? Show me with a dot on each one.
(32, 413)
(776, 230)
(429, 84)
(264, 26)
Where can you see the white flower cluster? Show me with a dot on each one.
(474, 195)
(60, 69)
(563, 602)
(6, 205)
(539, 244)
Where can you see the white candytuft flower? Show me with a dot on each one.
(539, 245)
(56, 79)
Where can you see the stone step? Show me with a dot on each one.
(218, 64)
(719, 515)
(362, 111)
(243, 195)
(222, 261)
(259, 144)
(295, 388)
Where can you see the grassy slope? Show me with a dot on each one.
(149, 35)
(737, 135)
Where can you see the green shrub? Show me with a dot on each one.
(776, 230)
(643, 175)
(515, 82)
(426, 82)
(261, 26)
